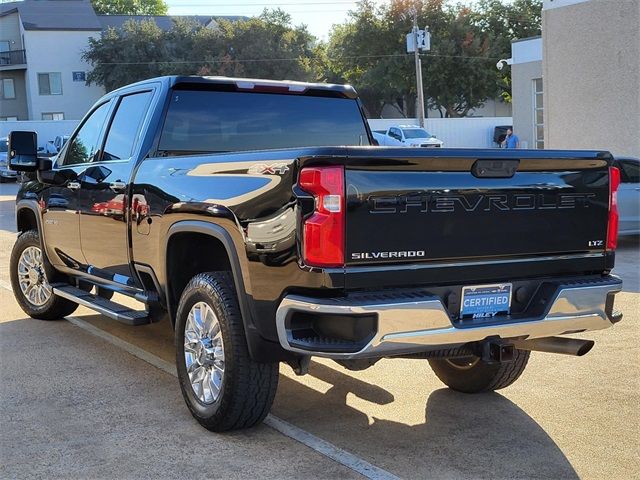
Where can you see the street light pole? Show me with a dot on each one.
(416, 54)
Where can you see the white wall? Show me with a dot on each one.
(454, 132)
(591, 73)
(46, 130)
(549, 4)
(528, 50)
(53, 51)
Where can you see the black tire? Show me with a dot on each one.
(2, 179)
(55, 308)
(248, 387)
(473, 375)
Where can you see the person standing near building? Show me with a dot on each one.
(511, 140)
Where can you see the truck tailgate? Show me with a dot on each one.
(446, 206)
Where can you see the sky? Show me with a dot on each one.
(318, 15)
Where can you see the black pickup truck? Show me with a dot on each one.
(257, 218)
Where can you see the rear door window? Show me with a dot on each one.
(125, 126)
(214, 121)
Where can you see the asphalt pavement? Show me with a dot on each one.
(77, 405)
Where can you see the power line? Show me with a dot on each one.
(350, 2)
(260, 60)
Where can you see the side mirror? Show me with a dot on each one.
(23, 151)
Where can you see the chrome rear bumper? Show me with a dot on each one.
(410, 325)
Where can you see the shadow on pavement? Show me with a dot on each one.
(469, 436)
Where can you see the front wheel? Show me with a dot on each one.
(222, 386)
(29, 281)
(474, 375)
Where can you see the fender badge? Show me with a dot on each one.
(269, 169)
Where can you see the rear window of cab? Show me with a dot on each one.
(221, 121)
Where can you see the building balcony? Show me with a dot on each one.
(12, 60)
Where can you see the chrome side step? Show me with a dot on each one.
(101, 305)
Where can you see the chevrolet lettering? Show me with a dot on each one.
(258, 221)
(438, 203)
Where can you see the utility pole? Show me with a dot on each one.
(416, 54)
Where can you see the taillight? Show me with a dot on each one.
(323, 231)
(612, 228)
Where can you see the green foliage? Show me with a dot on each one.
(266, 46)
(128, 55)
(507, 22)
(367, 51)
(129, 7)
(459, 72)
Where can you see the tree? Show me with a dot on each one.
(459, 72)
(129, 7)
(266, 46)
(126, 55)
(508, 21)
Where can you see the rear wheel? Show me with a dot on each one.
(222, 386)
(29, 281)
(473, 375)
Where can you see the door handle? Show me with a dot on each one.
(73, 185)
(117, 186)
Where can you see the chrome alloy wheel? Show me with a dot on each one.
(204, 352)
(31, 277)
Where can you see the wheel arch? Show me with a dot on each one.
(27, 217)
(219, 240)
(206, 234)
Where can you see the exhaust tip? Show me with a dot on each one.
(585, 348)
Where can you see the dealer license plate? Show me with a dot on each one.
(485, 301)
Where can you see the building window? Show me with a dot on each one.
(53, 116)
(50, 83)
(8, 89)
(5, 55)
(538, 122)
(8, 119)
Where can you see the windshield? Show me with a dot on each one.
(416, 133)
(4, 145)
(214, 121)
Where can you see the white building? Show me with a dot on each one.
(578, 86)
(527, 91)
(42, 74)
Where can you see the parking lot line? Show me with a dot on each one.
(321, 446)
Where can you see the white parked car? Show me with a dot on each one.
(406, 136)
(5, 173)
(629, 195)
(53, 147)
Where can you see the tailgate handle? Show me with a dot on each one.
(495, 168)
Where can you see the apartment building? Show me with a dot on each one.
(42, 74)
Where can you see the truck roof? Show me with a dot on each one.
(255, 84)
